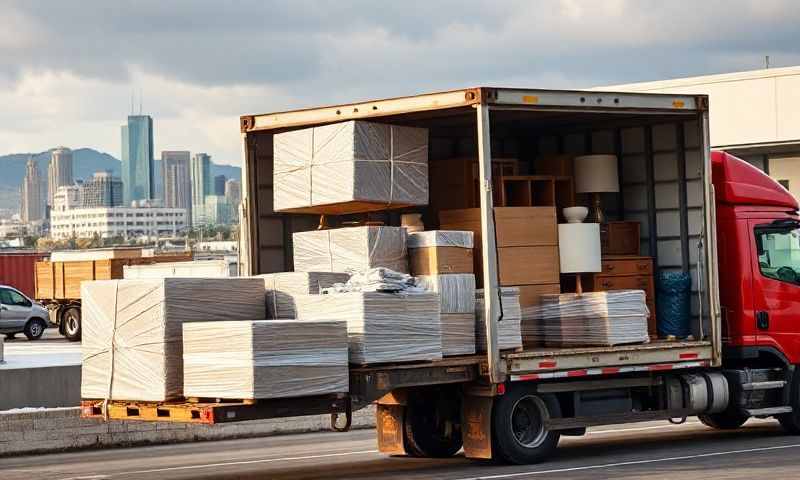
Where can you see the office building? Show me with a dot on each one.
(201, 185)
(217, 210)
(233, 192)
(219, 185)
(176, 168)
(102, 190)
(59, 172)
(137, 159)
(31, 206)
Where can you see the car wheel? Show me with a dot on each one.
(72, 324)
(34, 328)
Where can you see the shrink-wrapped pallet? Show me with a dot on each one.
(458, 334)
(381, 327)
(264, 358)
(352, 249)
(591, 319)
(456, 291)
(282, 287)
(132, 345)
(350, 167)
(509, 335)
(440, 252)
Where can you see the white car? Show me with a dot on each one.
(20, 314)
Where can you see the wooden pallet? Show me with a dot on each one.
(203, 412)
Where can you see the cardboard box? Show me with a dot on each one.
(528, 265)
(514, 226)
(530, 295)
(440, 260)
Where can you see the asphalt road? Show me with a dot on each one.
(649, 450)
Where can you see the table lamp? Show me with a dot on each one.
(596, 174)
(579, 249)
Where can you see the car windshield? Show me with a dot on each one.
(779, 253)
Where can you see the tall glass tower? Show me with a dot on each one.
(201, 186)
(137, 159)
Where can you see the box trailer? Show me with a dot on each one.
(514, 406)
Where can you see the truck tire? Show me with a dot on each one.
(34, 329)
(791, 421)
(432, 428)
(71, 318)
(518, 432)
(726, 420)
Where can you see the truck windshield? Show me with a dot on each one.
(779, 253)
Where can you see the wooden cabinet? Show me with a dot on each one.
(620, 238)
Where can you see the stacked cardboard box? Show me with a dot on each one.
(509, 335)
(442, 261)
(132, 330)
(527, 247)
(353, 249)
(264, 358)
(282, 287)
(350, 167)
(381, 327)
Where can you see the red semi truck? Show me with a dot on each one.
(735, 230)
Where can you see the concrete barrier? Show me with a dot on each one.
(63, 429)
(55, 386)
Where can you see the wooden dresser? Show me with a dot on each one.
(622, 272)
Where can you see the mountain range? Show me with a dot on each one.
(85, 162)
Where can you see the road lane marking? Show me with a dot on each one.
(632, 462)
(242, 462)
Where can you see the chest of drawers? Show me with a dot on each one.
(622, 272)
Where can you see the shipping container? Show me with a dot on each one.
(17, 269)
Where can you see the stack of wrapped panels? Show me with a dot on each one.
(132, 345)
(591, 319)
(282, 287)
(264, 358)
(509, 335)
(350, 167)
(381, 327)
(350, 250)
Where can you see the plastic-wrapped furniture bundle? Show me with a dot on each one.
(458, 334)
(381, 327)
(350, 167)
(674, 304)
(282, 287)
(132, 330)
(377, 280)
(456, 290)
(264, 358)
(438, 252)
(508, 328)
(350, 250)
(591, 319)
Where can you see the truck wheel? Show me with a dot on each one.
(72, 324)
(34, 328)
(518, 426)
(724, 420)
(791, 421)
(432, 428)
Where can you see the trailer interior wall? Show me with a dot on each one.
(661, 168)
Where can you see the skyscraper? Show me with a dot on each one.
(176, 168)
(219, 185)
(201, 185)
(137, 159)
(31, 208)
(233, 192)
(59, 172)
(102, 190)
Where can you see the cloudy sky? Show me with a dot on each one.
(68, 69)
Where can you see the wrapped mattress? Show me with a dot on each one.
(350, 250)
(381, 327)
(132, 347)
(350, 167)
(264, 358)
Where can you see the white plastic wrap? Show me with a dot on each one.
(377, 280)
(264, 358)
(351, 162)
(509, 335)
(458, 334)
(132, 337)
(351, 250)
(592, 319)
(441, 238)
(282, 287)
(456, 291)
(381, 327)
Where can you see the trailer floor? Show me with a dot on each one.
(537, 352)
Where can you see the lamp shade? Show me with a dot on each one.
(579, 247)
(596, 173)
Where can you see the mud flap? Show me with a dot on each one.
(476, 426)
(389, 422)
